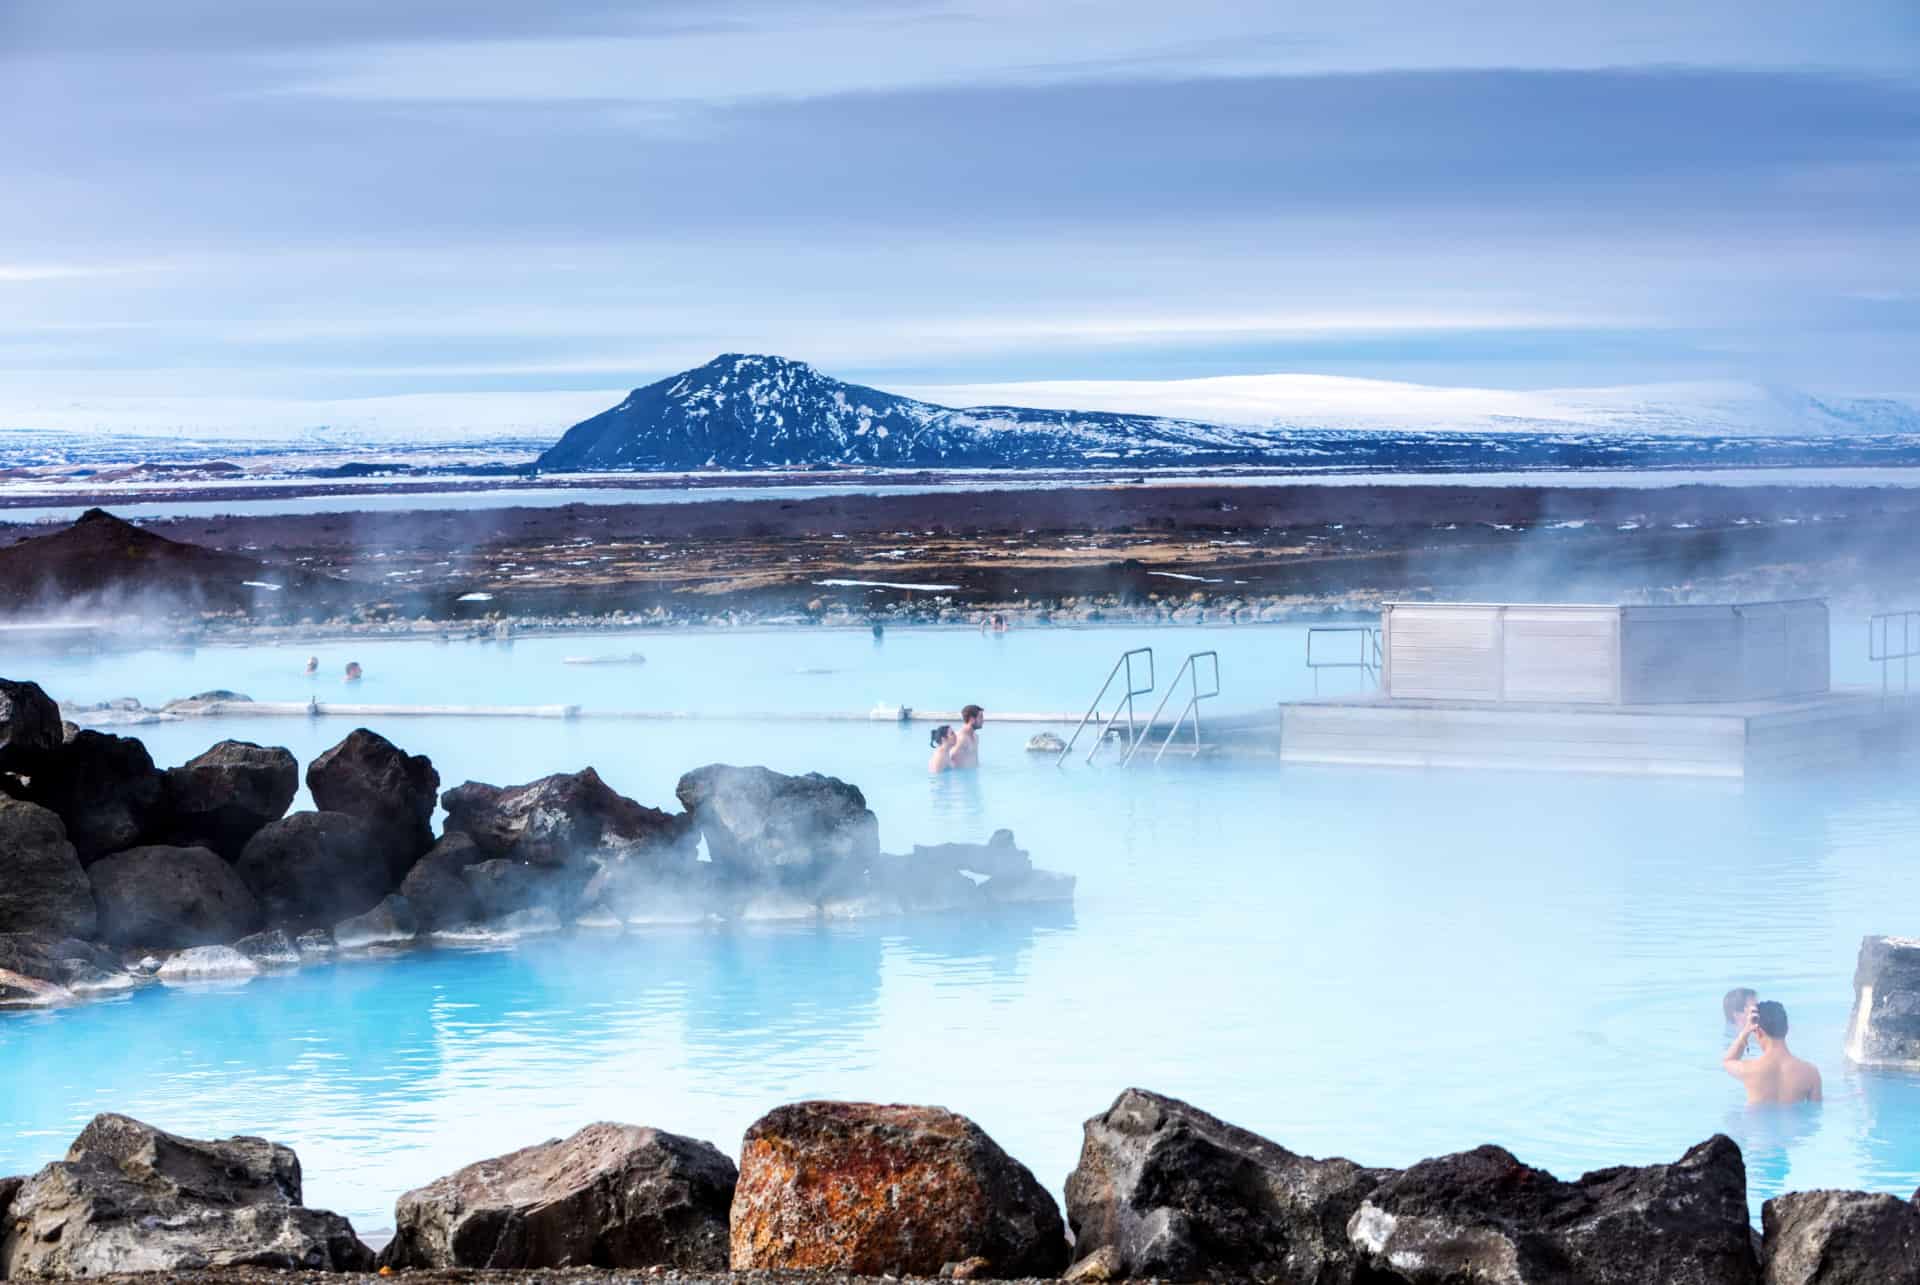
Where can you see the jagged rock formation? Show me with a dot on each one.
(130, 1198)
(612, 1195)
(901, 1190)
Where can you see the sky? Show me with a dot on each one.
(360, 198)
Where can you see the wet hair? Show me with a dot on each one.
(940, 735)
(970, 712)
(1734, 1005)
(1771, 1016)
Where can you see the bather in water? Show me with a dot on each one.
(1776, 1077)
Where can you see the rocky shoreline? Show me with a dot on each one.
(1085, 554)
(856, 1190)
(115, 874)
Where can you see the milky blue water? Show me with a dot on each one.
(1384, 965)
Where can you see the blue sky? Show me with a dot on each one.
(361, 198)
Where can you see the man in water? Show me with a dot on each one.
(943, 740)
(966, 750)
(1776, 1077)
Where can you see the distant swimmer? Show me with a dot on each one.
(1776, 1077)
(944, 740)
(353, 671)
(966, 750)
(313, 664)
(1737, 1006)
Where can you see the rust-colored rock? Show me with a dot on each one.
(859, 1187)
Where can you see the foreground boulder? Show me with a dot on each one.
(763, 826)
(612, 1195)
(105, 788)
(568, 819)
(223, 797)
(1840, 1237)
(369, 777)
(43, 888)
(313, 869)
(858, 1187)
(1884, 1029)
(434, 887)
(1172, 1191)
(1482, 1215)
(29, 726)
(130, 1198)
(170, 898)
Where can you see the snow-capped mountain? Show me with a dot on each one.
(742, 411)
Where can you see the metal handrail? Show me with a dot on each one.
(1126, 702)
(1370, 656)
(1880, 647)
(1189, 669)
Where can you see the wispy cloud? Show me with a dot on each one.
(361, 197)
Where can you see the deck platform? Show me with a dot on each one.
(1735, 739)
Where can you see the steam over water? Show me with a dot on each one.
(1384, 965)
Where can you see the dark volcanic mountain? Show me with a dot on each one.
(104, 564)
(741, 411)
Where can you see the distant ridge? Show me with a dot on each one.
(744, 411)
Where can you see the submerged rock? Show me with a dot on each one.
(571, 819)
(313, 869)
(763, 826)
(1837, 1237)
(869, 1189)
(30, 726)
(43, 888)
(51, 957)
(105, 788)
(387, 924)
(1884, 1029)
(1482, 1215)
(18, 990)
(170, 898)
(222, 798)
(206, 963)
(270, 949)
(1168, 1190)
(316, 943)
(612, 1195)
(369, 777)
(1045, 743)
(130, 1198)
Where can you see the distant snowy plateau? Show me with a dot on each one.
(745, 412)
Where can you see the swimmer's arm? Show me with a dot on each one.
(1734, 1059)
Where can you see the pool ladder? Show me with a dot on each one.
(1136, 732)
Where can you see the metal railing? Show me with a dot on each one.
(1125, 704)
(1891, 636)
(1189, 670)
(1367, 659)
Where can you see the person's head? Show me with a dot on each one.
(942, 735)
(1770, 1015)
(1736, 1002)
(973, 716)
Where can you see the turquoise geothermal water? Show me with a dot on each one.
(1383, 965)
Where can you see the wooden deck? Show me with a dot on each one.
(1735, 740)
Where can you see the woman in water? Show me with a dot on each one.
(944, 741)
(353, 671)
